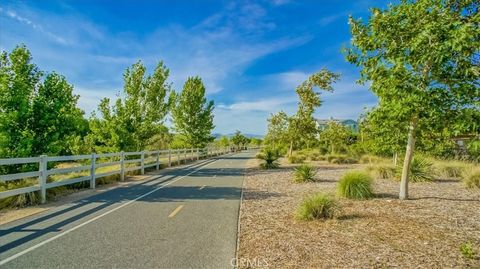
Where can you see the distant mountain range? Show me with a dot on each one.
(217, 135)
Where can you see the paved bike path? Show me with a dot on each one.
(179, 218)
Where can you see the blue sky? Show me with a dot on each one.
(250, 54)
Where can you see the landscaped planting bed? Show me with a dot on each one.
(423, 232)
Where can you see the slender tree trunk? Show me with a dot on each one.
(290, 151)
(408, 159)
(395, 158)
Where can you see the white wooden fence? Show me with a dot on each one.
(145, 159)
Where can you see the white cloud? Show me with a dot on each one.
(13, 15)
(267, 105)
(90, 98)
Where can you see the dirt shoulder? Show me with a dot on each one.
(424, 232)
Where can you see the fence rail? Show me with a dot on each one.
(144, 159)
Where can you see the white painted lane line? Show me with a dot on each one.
(174, 212)
(202, 187)
(21, 253)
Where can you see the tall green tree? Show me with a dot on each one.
(19, 78)
(277, 133)
(39, 114)
(56, 119)
(303, 126)
(239, 140)
(193, 114)
(133, 120)
(422, 60)
(336, 137)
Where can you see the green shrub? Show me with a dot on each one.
(471, 177)
(296, 158)
(318, 206)
(467, 250)
(383, 171)
(421, 170)
(270, 158)
(355, 185)
(304, 173)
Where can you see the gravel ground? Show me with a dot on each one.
(423, 232)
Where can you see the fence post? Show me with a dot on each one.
(158, 160)
(185, 155)
(178, 156)
(122, 166)
(92, 171)
(169, 157)
(198, 154)
(42, 168)
(142, 162)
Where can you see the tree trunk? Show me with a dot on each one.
(291, 148)
(408, 159)
(395, 158)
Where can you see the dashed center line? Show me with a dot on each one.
(174, 212)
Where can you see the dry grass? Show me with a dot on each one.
(424, 232)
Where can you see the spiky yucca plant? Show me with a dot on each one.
(270, 158)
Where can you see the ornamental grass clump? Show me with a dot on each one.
(304, 173)
(318, 206)
(296, 158)
(355, 185)
(471, 178)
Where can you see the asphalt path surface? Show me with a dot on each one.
(183, 217)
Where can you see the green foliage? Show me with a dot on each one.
(471, 177)
(193, 114)
(256, 142)
(296, 158)
(421, 170)
(38, 112)
(277, 134)
(55, 117)
(239, 140)
(335, 137)
(304, 173)
(467, 250)
(161, 140)
(270, 157)
(355, 185)
(132, 122)
(223, 141)
(420, 58)
(318, 206)
(302, 127)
